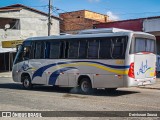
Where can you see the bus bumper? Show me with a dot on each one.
(140, 82)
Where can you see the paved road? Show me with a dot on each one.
(13, 97)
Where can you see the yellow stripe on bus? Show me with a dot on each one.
(117, 71)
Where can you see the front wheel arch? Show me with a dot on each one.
(23, 75)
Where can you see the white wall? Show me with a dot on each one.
(36, 24)
(10, 35)
(31, 24)
(151, 25)
(8, 14)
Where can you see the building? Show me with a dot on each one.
(134, 24)
(150, 25)
(18, 22)
(74, 21)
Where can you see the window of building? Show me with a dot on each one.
(9, 23)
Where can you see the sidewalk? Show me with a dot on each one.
(6, 74)
(154, 86)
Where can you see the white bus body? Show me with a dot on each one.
(100, 58)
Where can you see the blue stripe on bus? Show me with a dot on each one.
(55, 75)
(41, 70)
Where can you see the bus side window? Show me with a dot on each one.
(62, 50)
(32, 50)
(27, 52)
(118, 48)
(105, 48)
(24, 52)
(54, 50)
(82, 49)
(66, 49)
(39, 50)
(93, 47)
(73, 49)
(47, 50)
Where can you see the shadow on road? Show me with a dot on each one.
(66, 90)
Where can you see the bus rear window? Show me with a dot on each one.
(144, 45)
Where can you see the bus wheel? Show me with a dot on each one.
(110, 90)
(27, 83)
(85, 86)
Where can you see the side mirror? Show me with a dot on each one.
(18, 47)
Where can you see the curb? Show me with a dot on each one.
(150, 88)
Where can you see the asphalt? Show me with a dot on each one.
(154, 86)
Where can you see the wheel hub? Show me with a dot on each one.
(85, 86)
(26, 83)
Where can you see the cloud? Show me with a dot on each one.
(94, 0)
(112, 16)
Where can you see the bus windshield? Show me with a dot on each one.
(24, 52)
(144, 45)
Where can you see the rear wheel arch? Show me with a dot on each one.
(80, 78)
(85, 85)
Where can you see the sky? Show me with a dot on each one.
(116, 9)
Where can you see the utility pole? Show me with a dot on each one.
(49, 17)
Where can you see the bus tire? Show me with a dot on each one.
(27, 83)
(110, 90)
(85, 86)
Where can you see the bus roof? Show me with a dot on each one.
(102, 32)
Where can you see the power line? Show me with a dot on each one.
(55, 11)
(39, 6)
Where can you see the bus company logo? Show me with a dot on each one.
(24, 67)
(6, 114)
(143, 68)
